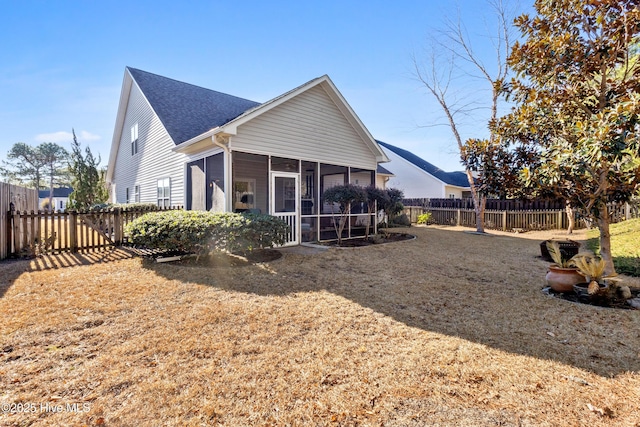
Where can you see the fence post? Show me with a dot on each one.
(73, 231)
(504, 220)
(458, 217)
(117, 227)
(560, 227)
(627, 211)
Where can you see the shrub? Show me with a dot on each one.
(205, 232)
(133, 206)
(400, 221)
(424, 218)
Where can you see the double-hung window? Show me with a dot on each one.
(164, 192)
(134, 139)
(136, 194)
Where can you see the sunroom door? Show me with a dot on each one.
(284, 203)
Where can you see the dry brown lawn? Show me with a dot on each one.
(450, 329)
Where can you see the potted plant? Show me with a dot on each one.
(562, 274)
(568, 247)
(598, 285)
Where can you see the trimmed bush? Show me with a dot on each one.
(205, 232)
(132, 206)
(400, 221)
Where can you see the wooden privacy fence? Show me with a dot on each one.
(13, 197)
(550, 219)
(34, 233)
(491, 204)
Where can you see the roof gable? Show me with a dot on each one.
(336, 97)
(451, 178)
(187, 110)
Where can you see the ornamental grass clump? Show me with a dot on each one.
(203, 233)
(600, 284)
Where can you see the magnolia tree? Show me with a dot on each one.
(574, 130)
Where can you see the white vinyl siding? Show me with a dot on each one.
(309, 126)
(154, 160)
(413, 181)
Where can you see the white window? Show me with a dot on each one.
(136, 193)
(134, 139)
(164, 192)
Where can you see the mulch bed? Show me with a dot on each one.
(372, 240)
(599, 302)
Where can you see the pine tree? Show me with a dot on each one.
(87, 180)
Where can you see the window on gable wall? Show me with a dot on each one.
(134, 139)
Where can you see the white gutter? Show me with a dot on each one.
(181, 147)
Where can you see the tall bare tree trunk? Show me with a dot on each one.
(570, 217)
(438, 78)
(605, 239)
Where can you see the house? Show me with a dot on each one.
(60, 198)
(179, 144)
(418, 178)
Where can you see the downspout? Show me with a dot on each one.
(223, 143)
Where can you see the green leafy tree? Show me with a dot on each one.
(344, 195)
(393, 203)
(377, 198)
(574, 131)
(87, 180)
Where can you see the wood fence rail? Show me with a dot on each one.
(34, 233)
(549, 219)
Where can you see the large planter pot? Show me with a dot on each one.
(568, 248)
(562, 279)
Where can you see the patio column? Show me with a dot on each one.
(222, 141)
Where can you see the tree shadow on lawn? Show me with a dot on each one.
(485, 289)
(11, 269)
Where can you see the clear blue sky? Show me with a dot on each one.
(62, 62)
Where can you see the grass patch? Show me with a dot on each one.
(625, 236)
(449, 329)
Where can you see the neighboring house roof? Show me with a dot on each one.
(187, 110)
(383, 171)
(57, 192)
(458, 179)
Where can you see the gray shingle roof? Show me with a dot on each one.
(383, 171)
(57, 192)
(186, 110)
(452, 178)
